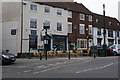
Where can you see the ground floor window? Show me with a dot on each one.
(33, 42)
(59, 43)
(99, 40)
(82, 43)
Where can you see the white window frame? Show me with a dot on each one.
(82, 26)
(36, 23)
(69, 14)
(59, 11)
(90, 17)
(69, 27)
(82, 16)
(80, 45)
(33, 8)
(59, 26)
(47, 21)
(90, 29)
(46, 7)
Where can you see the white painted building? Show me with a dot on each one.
(35, 16)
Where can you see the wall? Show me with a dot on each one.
(119, 10)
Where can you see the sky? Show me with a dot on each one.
(96, 6)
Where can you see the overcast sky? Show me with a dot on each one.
(96, 6)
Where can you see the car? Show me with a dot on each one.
(7, 58)
(116, 49)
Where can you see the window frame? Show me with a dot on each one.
(69, 14)
(70, 30)
(82, 16)
(47, 9)
(83, 28)
(90, 29)
(33, 8)
(58, 10)
(13, 31)
(36, 23)
(90, 18)
(59, 27)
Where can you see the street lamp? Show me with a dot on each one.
(104, 31)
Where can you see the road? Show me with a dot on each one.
(83, 67)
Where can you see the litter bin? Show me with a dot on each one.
(100, 51)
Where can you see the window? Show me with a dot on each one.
(90, 18)
(69, 27)
(82, 43)
(46, 23)
(97, 20)
(110, 33)
(118, 24)
(13, 32)
(33, 32)
(90, 30)
(118, 35)
(33, 23)
(47, 10)
(33, 7)
(110, 23)
(59, 12)
(59, 26)
(70, 14)
(99, 31)
(82, 16)
(82, 28)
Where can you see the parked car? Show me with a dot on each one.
(116, 49)
(7, 58)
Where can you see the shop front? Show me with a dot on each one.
(59, 42)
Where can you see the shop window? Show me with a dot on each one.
(82, 43)
(13, 32)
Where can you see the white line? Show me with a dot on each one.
(95, 68)
(27, 71)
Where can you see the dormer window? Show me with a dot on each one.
(110, 23)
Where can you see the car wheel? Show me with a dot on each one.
(115, 53)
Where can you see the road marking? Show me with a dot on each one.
(27, 71)
(40, 66)
(95, 68)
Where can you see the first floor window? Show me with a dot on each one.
(46, 23)
(13, 32)
(82, 16)
(59, 12)
(82, 43)
(98, 31)
(59, 26)
(90, 30)
(69, 27)
(47, 10)
(82, 28)
(33, 23)
(110, 33)
(90, 17)
(69, 14)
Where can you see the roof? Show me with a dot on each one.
(71, 6)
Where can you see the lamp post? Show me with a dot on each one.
(21, 46)
(104, 31)
(75, 27)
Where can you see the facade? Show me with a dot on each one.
(71, 24)
(112, 28)
(35, 16)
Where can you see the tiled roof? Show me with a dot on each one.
(72, 6)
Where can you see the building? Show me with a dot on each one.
(71, 24)
(112, 30)
(119, 10)
(35, 16)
